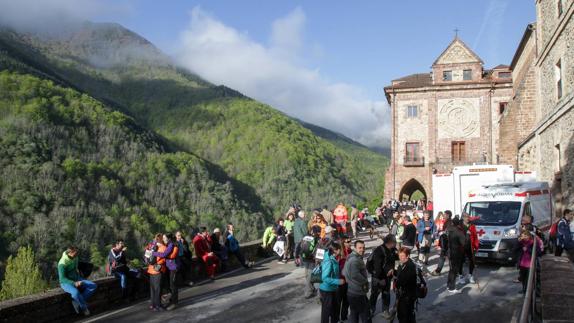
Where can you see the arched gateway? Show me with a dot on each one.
(410, 187)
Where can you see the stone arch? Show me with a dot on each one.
(411, 186)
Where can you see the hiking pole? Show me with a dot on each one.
(475, 266)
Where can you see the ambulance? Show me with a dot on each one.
(499, 209)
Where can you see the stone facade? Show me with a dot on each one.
(549, 148)
(456, 105)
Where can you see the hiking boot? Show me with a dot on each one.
(86, 312)
(471, 279)
(386, 315)
(460, 280)
(76, 306)
(454, 291)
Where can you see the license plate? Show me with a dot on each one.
(481, 254)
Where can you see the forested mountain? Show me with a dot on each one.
(101, 135)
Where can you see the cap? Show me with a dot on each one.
(216, 230)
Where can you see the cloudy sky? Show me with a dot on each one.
(324, 62)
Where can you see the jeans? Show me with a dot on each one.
(125, 277)
(329, 307)
(377, 289)
(240, 257)
(359, 308)
(82, 294)
(310, 288)
(155, 290)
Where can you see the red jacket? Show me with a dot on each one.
(474, 242)
(201, 246)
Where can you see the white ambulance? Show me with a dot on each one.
(450, 191)
(499, 209)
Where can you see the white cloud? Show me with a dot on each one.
(272, 73)
(491, 25)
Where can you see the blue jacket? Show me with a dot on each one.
(421, 229)
(330, 274)
(564, 237)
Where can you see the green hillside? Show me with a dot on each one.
(74, 171)
(279, 158)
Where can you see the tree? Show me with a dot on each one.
(22, 276)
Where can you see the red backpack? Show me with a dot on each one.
(553, 230)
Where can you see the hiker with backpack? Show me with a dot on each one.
(425, 229)
(71, 282)
(172, 264)
(380, 265)
(156, 267)
(330, 282)
(356, 275)
(406, 287)
(306, 252)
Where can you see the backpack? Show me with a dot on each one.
(553, 230)
(317, 275)
(149, 259)
(422, 289)
(370, 263)
(308, 246)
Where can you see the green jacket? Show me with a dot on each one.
(68, 270)
(268, 237)
(299, 230)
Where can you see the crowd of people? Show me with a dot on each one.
(328, 247)
(168, 265)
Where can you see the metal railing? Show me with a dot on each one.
(410, 161)
(529, 313)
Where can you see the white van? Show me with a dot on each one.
(500, 208)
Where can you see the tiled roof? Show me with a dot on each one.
(412, 81)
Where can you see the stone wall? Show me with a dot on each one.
(55, 305)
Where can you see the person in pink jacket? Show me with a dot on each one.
(526, 242)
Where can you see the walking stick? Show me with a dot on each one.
(475, 279)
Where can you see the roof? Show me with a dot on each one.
(412, 81)
(523, 41)
(457, 40)
(501, 67)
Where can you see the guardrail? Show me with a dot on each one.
(529, 313)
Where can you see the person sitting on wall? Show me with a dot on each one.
(72, 283)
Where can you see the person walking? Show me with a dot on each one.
(409, 236)
(355, 274)
(72, 283)
(425, 228)
(384, 257)
(406, 287)
(306, 252)
(526, 242)
(564, 236)
(471, 245)
(354, 220)
(443, 242)
(331, 281)
(456, 241)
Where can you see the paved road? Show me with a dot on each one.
(273, 292)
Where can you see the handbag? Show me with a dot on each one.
(279, 248)
(317, 275)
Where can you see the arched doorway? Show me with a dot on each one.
(411, 187)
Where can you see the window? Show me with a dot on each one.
(412, 111)
(501, 107)
(560, 7)
(447, 75)
(412, 153)
(458, 151)
(558, 71)
(504, 75)
(467, 75)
